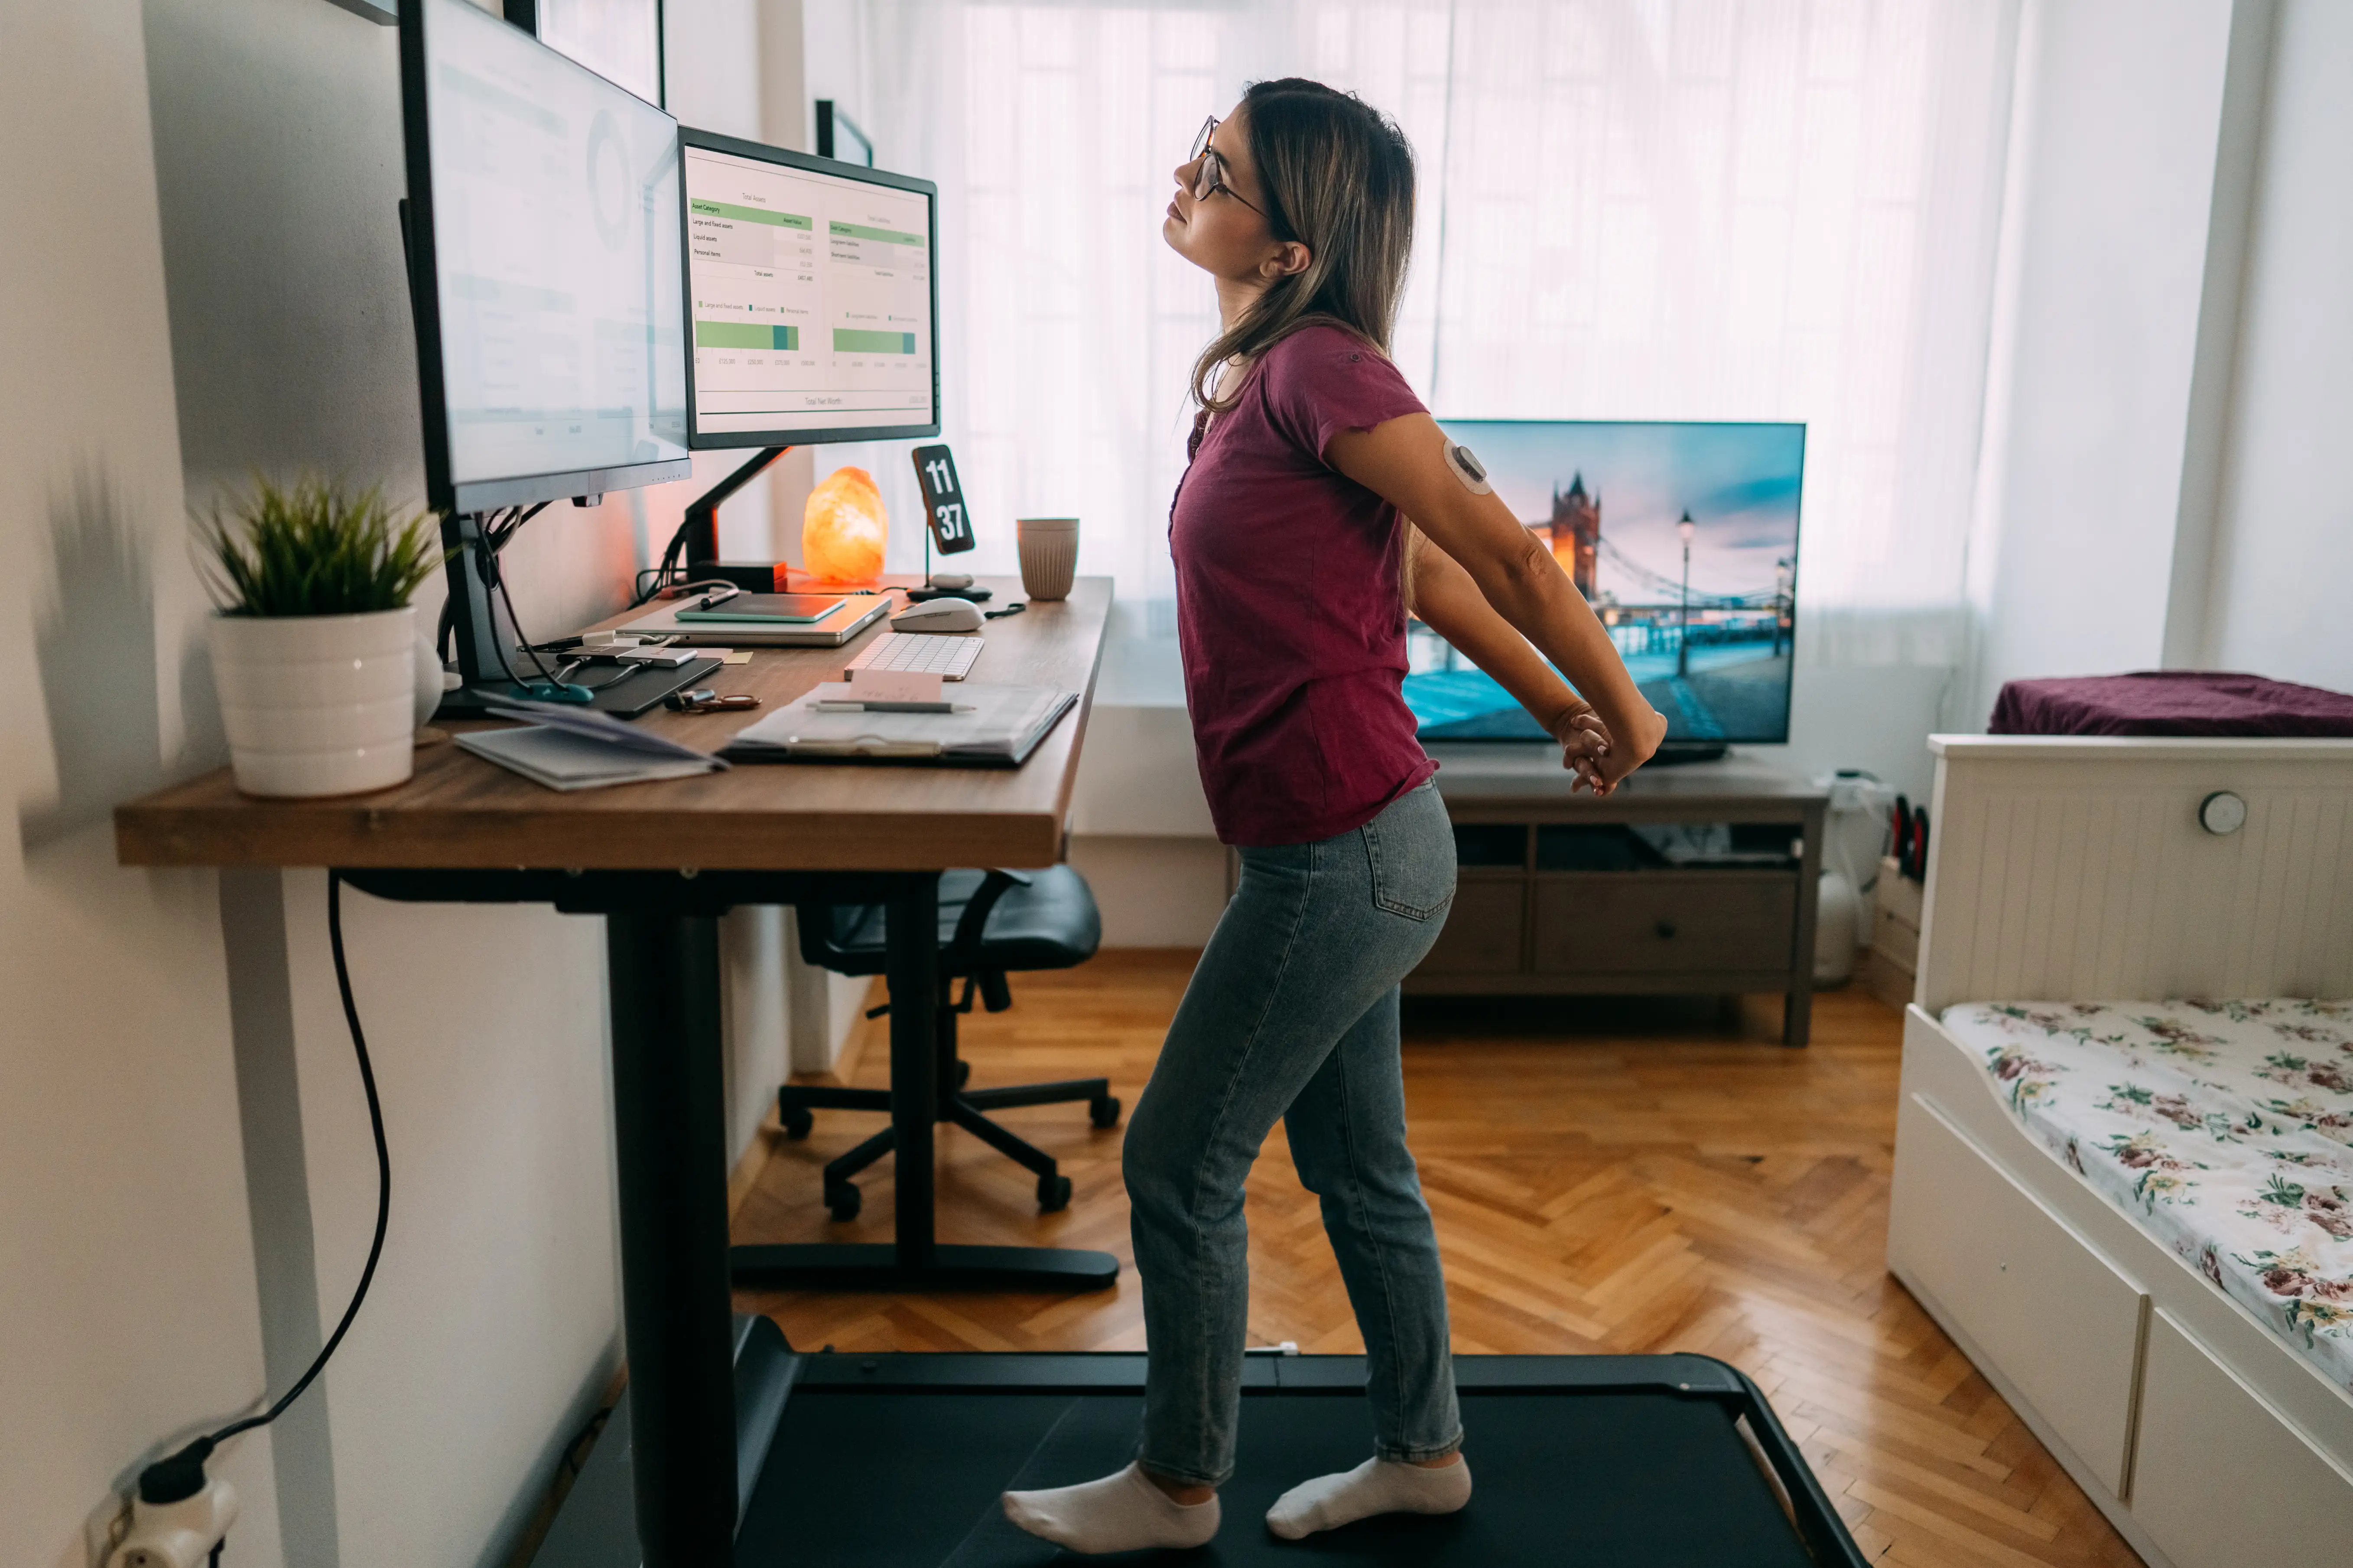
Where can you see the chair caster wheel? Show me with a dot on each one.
(963, 1074)
(1103, 1112)
(1054, 1193)
(798, 1122)
(842, 1201)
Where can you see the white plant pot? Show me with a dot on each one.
(318, 705)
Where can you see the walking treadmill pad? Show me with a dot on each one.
(861, 1478)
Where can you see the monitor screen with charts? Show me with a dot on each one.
(813, 292)
(545, 267)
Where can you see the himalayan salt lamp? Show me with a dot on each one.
(843, 529)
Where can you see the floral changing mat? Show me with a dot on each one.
(2225, 1128)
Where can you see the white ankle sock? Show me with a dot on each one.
(1376, 1486)
(1122, 1513)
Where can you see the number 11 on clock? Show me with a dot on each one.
(943, 499)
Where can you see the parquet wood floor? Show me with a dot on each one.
(1606, 1177)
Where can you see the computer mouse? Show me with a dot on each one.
(938, 615)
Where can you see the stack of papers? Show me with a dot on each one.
(578, 747)
(992, 726)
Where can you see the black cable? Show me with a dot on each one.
(495, 537)
(383, 1174)
(660, 573)
(516, 517)
(499, 581)
(625, 672)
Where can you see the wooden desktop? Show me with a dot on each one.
(460, 811)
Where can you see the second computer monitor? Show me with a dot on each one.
(813, 295)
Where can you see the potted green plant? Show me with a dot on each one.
(315, 650)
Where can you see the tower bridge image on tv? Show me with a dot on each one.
(1715, 664)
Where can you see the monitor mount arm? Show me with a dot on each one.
(701, 529)
(474, 620)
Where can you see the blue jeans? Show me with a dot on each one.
(1292, 1013)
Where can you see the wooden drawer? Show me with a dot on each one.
(1665, 923)
(2023, 1290)
(1900, 941)
(1483, 929)
(2219, 1477)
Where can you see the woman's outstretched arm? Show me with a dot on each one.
(1445, 599)
(1402, 461)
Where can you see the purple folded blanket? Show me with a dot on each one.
(2170, 702)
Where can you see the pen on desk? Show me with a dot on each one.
(835, 705)
(718, 596)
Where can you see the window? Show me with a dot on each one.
(1677, 210)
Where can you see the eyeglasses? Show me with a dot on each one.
(1209, 178)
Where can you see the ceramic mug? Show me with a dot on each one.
(1050, 556)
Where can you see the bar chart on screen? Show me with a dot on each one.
(812, 293)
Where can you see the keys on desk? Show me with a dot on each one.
(705, 701)
(950, 658)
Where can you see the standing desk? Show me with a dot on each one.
(661, 862)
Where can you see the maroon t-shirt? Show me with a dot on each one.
(1288, 609)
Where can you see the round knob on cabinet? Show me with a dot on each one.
(1667, 928)
(2222, 813)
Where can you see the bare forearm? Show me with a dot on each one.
(1450, 604)
(1536, 597)
(1403, 460)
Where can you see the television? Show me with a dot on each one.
(813, 290)
(1684, 537)
(545, 266)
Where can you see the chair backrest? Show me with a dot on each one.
(991, 923)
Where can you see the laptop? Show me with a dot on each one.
(858, 611)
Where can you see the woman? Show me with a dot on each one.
(1292, 562)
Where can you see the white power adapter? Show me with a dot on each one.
(178, 1534)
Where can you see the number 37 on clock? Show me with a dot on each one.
(943, 499)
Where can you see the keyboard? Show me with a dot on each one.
(920, 653)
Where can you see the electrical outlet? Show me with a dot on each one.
(179, 1534)
(107, 1523)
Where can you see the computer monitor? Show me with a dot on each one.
(813, 290)
(544, 210)
(1683, 537)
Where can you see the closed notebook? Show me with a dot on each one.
(994, 726)
(568, 748)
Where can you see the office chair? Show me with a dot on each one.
(991, 924)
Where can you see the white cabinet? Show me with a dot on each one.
(2027, 1293)
(2221, 1479)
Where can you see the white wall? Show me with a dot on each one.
(2160, 485)
(2283, 557)
(492, 1332)
(2089, 410)
(130, 1315)
(188, 1180)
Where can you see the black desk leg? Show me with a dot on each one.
(671, 1145)
(910, 966)
(916, 1260)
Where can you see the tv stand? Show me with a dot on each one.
(1698, 878)
(1674, 753)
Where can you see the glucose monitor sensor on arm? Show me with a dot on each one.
(1465, 465)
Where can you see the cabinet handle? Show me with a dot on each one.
(1667, 929)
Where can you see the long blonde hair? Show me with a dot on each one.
(1337, 177)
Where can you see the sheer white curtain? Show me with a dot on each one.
(1671, 209)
